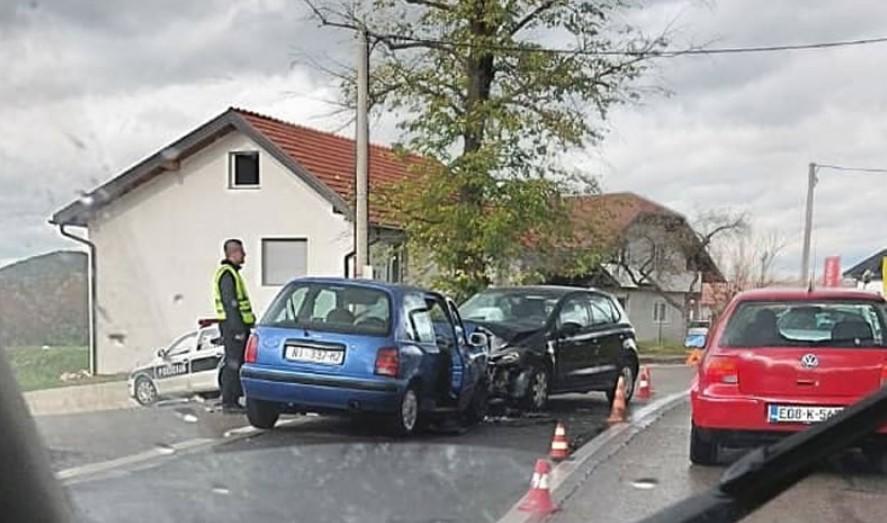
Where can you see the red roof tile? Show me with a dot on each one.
(330, 158)
(603, 218)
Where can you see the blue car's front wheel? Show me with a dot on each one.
(406, 419)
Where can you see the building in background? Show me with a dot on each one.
(157, 229)
(868, 274)
(653, 262)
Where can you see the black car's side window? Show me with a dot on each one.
(601, 310)
(614, 309)
(575, 311)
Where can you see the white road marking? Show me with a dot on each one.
(162, 451)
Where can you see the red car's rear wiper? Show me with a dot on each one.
(764, 473)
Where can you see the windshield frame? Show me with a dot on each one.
(555, 298)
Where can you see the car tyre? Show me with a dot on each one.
(145, 391)
(876, 457)
(538, 389)
(627, 371)
(262, 414)
(703, 446)
(406, 420)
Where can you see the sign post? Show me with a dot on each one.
(832, 274)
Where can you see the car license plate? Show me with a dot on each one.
(315, 355)
(800, 414)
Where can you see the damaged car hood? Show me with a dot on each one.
(510, 335)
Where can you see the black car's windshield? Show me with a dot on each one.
(525, 308)
(330, 307)
(806, 324)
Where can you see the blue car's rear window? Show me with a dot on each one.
(349, 309)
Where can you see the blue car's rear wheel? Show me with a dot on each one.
(406, 419)
(262, 414)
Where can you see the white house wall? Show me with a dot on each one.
(158, 246)
(639, 307)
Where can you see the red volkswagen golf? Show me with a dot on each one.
(780, 360)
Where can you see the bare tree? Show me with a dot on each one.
(663, 252)
(748, 261)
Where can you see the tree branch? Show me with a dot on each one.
(531, 16)
(324, 20)
(430, 3)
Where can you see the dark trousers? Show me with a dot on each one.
(235, 343)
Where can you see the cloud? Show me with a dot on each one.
(738, 131)
(73, 49)
(91, 87)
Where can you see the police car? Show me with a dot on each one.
(189, 365)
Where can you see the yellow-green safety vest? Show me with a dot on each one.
(246, 310)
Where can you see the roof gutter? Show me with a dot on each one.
(91, 277)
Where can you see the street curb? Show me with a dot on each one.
(565, 481)
(75, 399)
(664, 359)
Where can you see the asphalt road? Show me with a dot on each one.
(653, 471)
(311, 469)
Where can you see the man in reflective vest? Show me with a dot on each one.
(235, 314)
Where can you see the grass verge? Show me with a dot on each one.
(666, 348)
(42, 368)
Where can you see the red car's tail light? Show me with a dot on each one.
(252, 349)
(884, 375)
(720, 369)
(388, 361)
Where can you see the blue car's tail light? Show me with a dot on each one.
(252, 349)
(388, 361)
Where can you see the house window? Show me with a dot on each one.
(283, 260)
(243, 169)
(660, 314)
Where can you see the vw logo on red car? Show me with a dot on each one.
(809, 361)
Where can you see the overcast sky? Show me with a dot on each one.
(91, 87)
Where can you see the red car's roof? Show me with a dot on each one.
(799, 294)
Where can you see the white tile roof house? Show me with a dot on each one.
(156, 230)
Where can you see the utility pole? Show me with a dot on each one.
(361, 185)
(808, 225)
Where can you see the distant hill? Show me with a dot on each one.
(43, 300)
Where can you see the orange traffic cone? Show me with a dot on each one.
(617, 413)
(559, 447)
(694, 357)
(645, 387)
(538, 498)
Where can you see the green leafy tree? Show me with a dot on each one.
(480, 92)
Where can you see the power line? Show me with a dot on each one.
(632, 52)
(867, 170)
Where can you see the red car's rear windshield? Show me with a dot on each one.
(806, 324)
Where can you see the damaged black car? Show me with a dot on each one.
(551, 339)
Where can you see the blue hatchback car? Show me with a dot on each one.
(356, 346)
